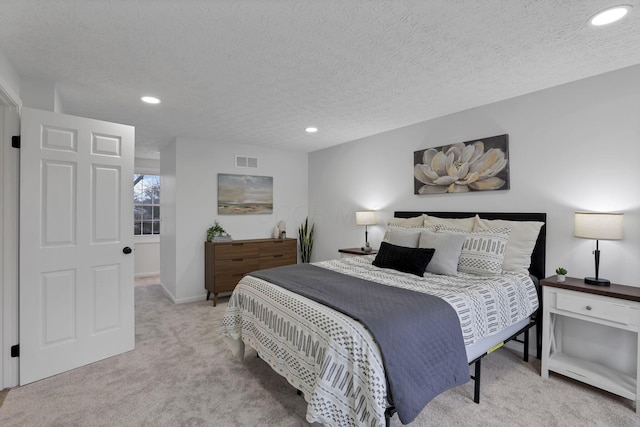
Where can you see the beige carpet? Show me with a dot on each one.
(181, 374)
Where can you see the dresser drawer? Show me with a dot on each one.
(236, 266)
(276, 247)
(227, 282)
(226, 263)
(277, 260)
(236, 251)
(598, 308)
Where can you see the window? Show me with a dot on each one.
(146, 204)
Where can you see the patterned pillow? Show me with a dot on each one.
(407, 260)
(483, 251)
(522, 240)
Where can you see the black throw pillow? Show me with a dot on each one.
(407, 260)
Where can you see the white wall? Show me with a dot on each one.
(9, 82)
(147, 259)
(572, 147)
(39, 94)
(147, 248)
(9, 224)
(197, 165)
(168, 203)
(9, 174)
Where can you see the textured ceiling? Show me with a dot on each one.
(260, 71)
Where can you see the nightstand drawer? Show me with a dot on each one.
(607, 310)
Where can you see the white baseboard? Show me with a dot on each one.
(182, 300)
(156, 273)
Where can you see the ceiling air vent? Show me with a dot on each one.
(246, 162)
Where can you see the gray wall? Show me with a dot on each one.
(572, 147)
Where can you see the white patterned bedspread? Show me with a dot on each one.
(333, 359)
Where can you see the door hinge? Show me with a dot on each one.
(15, 350)
(15, 141)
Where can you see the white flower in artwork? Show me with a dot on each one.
(460, 168)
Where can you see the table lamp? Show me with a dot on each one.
(598, 226)
(366, 218)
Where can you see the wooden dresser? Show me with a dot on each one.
(225, 263)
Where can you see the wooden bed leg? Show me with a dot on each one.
(476, 378)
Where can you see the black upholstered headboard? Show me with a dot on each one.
(537, 267)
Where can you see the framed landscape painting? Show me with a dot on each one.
(478, 165)
(244, 194)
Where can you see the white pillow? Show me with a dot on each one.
(522, 240)
(416, 221)
(407, 237)
(403, 235)
(447, 254)
(465, 224)
(483, 251)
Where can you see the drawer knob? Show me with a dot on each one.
(588, 308)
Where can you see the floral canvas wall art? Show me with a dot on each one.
(478, 165)
(244, 194)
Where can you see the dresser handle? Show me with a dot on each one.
(588, 308)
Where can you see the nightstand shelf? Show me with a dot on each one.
(594, 374)
(616, 307)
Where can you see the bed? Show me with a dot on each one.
(335, 361)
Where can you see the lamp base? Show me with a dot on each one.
(596, 281)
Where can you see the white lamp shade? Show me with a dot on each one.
(598, 226)
(366, 218)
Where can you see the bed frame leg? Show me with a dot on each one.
(526, 345)
(539, 333)
(476, 378)
(388, 413)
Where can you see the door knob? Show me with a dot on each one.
(127, 250)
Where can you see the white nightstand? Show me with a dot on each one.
(580, 357)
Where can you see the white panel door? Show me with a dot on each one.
(76, 223)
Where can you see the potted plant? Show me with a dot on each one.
(561, 272)
(216, 233)
(305, 236)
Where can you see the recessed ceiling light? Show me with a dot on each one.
(610, 15)
(311, 129)
(150, 100)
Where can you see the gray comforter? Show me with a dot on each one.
(418, 335)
